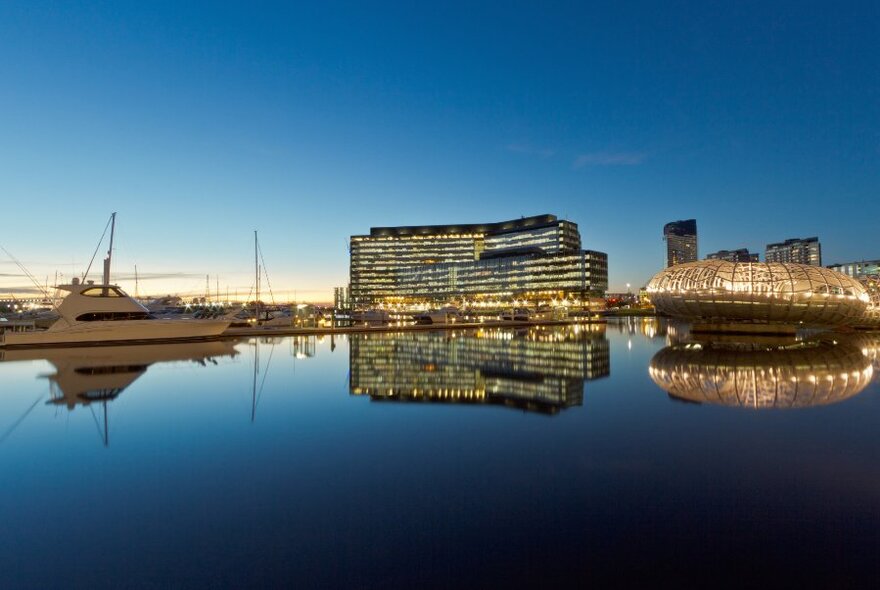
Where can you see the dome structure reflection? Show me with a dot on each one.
(757, 375)
(869, 344)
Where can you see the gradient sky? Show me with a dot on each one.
(201, 122)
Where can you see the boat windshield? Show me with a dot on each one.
(103, 292)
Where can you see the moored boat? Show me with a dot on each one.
(103, 314)
(94, 314)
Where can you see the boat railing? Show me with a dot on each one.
(10, 326)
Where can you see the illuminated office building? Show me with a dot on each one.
(740, 255)
(532, 259)
(796, 250)
(541, 370)
(858, 270)
(681, 241)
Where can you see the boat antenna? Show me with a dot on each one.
(109, 250)
(110, 222)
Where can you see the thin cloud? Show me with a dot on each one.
(21, 290)
(152, 276)
(609, 159)
(528, 149)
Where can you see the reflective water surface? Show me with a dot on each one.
(533, 457)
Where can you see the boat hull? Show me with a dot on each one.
(92, 333)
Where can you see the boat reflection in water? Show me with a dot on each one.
(762, 374)
(87, 375)
(539, 369)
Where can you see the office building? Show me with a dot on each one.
(681, 241)
(858, 270)
(740, 255)
(341, 298)
(796, 250)
(533, 259)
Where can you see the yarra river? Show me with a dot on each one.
(544, 456)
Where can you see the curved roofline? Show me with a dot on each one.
(467, 228)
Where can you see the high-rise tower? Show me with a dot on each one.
(681, 241)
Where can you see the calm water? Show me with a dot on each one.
(541, 457)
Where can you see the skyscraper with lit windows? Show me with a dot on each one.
(533, 258)
(681, 241)
(797, 250)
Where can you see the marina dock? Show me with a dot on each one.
(379, 328)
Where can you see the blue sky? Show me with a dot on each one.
(200, 122)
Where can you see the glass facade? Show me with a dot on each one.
(534, 258)
(740, 255)
(681, 241)
(864, 268)
(796, 250)
(537, 370)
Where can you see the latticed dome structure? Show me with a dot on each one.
(717, 290)
(871, 319)
(794, 376)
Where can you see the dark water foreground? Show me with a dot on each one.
(546, 457)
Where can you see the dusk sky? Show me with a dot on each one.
(311, 122)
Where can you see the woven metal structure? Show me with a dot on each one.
(717, 290)
(799, 375)
(871, 318)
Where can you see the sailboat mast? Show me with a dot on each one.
(110, 250)
(257, 278)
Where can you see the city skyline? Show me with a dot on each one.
(202, 123)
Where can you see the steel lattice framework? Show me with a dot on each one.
(806, 374)
(871, 319)
(717, 290)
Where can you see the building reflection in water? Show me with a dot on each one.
(97, 375)
(540, 369)
(648, 326)
(762, 374)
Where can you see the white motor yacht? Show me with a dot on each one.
(103, 314)
(92, 314)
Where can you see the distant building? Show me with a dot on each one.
(797, 250)
(858, 270)
(530, 259)
(741, 255)
(681, 241)
(342, 298)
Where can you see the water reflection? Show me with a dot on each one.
(535, 369)
(762, 374)
(869, 344)
(650, 327)
(98, 375)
